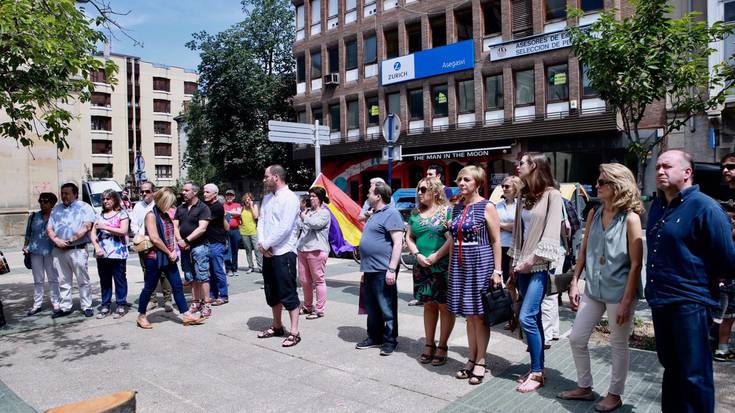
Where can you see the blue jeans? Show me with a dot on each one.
(113, 269)
(217, 276)
(151, 279)
(683, 350)
(381, 305)
(195, 263)
(233, 236)
(533, 291)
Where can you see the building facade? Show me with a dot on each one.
(472, 82)
(722, 120)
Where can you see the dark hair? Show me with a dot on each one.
(111, 193)
(278, 171)
(384, 192)
(50, 196)
(304, 199)
(438, 170)
(194, 186)
(320, 193)
(540, 177)
(73, 186)
(726, 157)
(151, 184)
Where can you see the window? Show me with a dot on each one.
(351, 52)
(466, 96)
(394, 103)
(524, 88)
(164, 171)
(413, 31)
(463, 20)
(301, 68)
(494, 92)
(162, 149)
(101, 147)
(591, 5)
(391, 44)
(161, 106)
(190, 88)
(300, 17)
(522, 18)
(440, 101)
(353, 115)
(161, 127)
(100, 99)
(491, 16)
(98, 76)
(438, 31)
(316, 11)
(587, 90)
(556, 9)
(369, 50)
(416, 104)
(301, 116)
(316, 65)
(373, 111)
(558, 83)
(317, 115)
(101, 123)
(101, 170)
(161, 84)
(333, 56)
(333, 7)
(334, 118)
(351, 5)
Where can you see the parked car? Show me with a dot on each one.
(92, 192)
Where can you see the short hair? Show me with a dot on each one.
(474, 172)
(194, 186)
(730, 155)
(377, 180)
(73, 186)
(515, 184)
(149, 183)
(50, 196)
(165, 198)
(320, 193)
(384, 192)
(213, 187)
(437, 169)
(111, 193)
(278, 171)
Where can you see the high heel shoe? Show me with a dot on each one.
(474, 378)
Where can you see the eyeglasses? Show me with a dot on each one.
(423, 190)
(44, 201)
(146, 191)
(603, 182)
(729, 166)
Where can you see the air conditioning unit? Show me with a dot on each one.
(331, 79)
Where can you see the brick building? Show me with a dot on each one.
(473, 82)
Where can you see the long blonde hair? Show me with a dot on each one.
(434, 185)
(626, 195)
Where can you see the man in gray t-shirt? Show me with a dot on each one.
(380, 250)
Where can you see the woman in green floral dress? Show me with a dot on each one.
(426, 236)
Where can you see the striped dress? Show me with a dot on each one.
(472, 259)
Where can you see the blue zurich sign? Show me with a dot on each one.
(427, 63)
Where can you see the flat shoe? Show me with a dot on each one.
(601, 408)
(291, 340)
(271, 332)
(567, 395)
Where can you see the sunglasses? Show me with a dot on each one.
(44, 201)
(505, 186)
(729, 166)
(146, 191)
(603, 182)
(423, 190)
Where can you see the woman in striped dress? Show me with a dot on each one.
(475, 258)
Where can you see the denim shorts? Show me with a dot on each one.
(195, 264)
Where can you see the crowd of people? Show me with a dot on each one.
(464, 247)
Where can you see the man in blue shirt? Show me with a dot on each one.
(690, 247)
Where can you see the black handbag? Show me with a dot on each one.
(498, 306)
(27, 260)
(4, 267)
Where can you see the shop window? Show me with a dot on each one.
(316, 11)
(164, 171)
(440, 101)
(557, 89)
(522, 18)
(416, 104)
(353, 115)
(333, 8)
(101, 147)
(438, 31)
(463, 22)
(587, 90)
(369, 50)
(466, 96)
(391, 43)
(334, 121)
(556, 10)
(492, 17)
(301, 68)
(316, 65)
(162, 149)
(351, 52)
(101, 170)
(333, 56)
(394, 103)
(524, 85)
(413, 31)
(494, 92)
(592, 5)
(373, 111)
(317, 115)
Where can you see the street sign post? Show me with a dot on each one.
(301, 133)
(139, 169)
(391, 132)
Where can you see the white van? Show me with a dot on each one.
(92, 192)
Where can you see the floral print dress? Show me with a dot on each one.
(430, 283)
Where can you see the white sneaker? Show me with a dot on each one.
(248, 271)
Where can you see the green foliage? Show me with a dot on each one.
(46, 56)
(246, 79)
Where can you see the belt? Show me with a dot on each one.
(74, 247)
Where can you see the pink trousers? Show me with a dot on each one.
(311, 275)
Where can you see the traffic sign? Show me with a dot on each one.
(396, 128)
(397, 153)
(292, 132)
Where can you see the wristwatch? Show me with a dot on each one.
(391, 270)
(186, 241)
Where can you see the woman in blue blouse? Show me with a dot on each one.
(39, 246)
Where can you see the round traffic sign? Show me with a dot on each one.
(391, 125)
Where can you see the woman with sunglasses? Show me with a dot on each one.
(611, 258)
(108, 236)
(39, 246)
(507, 213)
(535, 246)
(475, 261)
(428, 242)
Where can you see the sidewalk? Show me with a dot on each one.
(222, 367)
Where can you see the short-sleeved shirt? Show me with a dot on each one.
(216, 233)
(189, 220)
(507, 215)
(68, 220)
(113, 246)
(233, 221)
(376, 244)
(38, 241)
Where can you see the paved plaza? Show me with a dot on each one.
(222, 366)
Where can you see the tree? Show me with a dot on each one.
(648, 57)
(46, 56)
(246, 78)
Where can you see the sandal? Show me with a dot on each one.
(532, 383)
(523, 378)
(143, 322)
(426, 358)
(440, 360)
(271, 332)
(303, 311)
(314, 316)
(476, 379)
(189, 320)
(465, 373)
(291, 340)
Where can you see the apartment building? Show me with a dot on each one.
(721, 125)
(473, 82)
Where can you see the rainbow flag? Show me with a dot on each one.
(345, 231)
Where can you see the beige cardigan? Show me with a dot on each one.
(544, 233)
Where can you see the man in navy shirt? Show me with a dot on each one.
(690, 247)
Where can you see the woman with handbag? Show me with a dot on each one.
(162, 257)
(507, 213)
(534, 248)
(313, 251)
(475, 260)
(428, 242)
(37, 248)
(611, 259)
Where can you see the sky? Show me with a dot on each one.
(164, 27)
